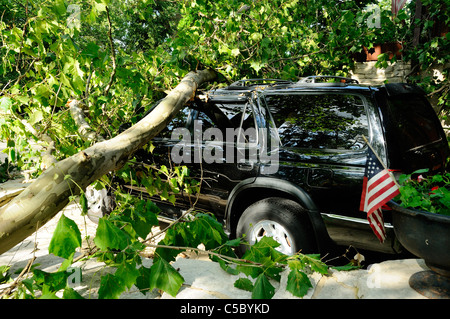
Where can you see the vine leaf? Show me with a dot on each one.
(244, 284)
(163, 276)
(127, 272)
(226, 266)
(298, 283)
(110, 236)
(83, 203)
(143, 281)
(66, 238)
(110, 287)
(263, 252)
(52, 282)
(145, 217)
(315, 263)
(263, 289)
(70, 293)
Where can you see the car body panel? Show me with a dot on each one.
(327, 181)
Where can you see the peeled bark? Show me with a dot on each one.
(84, 129)
(46, 196)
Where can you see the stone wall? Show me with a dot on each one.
(368, 73)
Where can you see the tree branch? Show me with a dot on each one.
(50, 192)
(234, 260)
(113, 54)
(85, 130)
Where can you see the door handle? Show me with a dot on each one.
(247, 166)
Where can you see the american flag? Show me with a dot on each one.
(379, 187)
(397, 5)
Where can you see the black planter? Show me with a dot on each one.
(427, 236)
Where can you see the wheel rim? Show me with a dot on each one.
(275, 230)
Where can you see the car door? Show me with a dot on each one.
(221, 150)
(322, 148)
(215, 141)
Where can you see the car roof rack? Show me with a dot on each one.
(313, 78)
(246, 83)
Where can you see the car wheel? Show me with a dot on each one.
(283, 219)
(99, 203)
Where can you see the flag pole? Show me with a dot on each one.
(382, 163)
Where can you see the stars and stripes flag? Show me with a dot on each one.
(396, 6)
(379, 187)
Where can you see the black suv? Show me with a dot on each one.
(287, 160)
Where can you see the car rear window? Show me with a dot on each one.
(319, 121)
(414, 121)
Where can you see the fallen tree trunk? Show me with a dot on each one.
(50, 193)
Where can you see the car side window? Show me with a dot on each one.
(225, 117)
(180, 120)
(319, 121)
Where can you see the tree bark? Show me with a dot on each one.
(46, 196)
(84, 129)
(417, 27)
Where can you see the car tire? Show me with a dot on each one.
(282, 219)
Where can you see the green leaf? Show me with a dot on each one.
(66, 238)
(264, 252)
(12, 154)
(244, 284)
(233, 242)
(172, 238)
(4, 274)
(70, 293)
(127, 273)
(100, 7)
(91, 50)
(298, 283)
(347, 267)
(66, 263)
(315, 263)
(144, 218)
(256, 36)
(163, 276)
(226, 266)
(5, 104)
(263, 289)
(53, 281)
(143, 281)
(256, 65)
(421, 171)
(36, 117)
(109, 236)
(111, 287)
(59, 7)
(83, 203)
(48, 295)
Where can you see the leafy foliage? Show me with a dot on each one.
(119, 246)
(427, 193)
(426, 44)
(66, 238)
(46, 59)
(118, 64)
(4, 274)
(265, 38)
